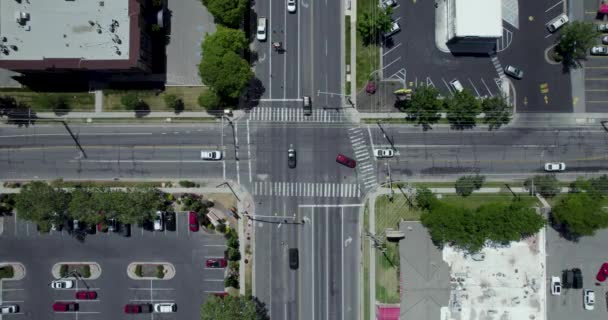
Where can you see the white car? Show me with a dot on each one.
(165, 307)
(514, 72)
(261, 31)
(555, 166)
(588, 299)
(158, 221)
(9, 308)
(602, 27)
(556, 286)
(388, 3)
(62, 284)
(394, 29)
(384, 153)
(291, 6)
(557, 22)
(456, 85)
(211, 155)
(599, 51)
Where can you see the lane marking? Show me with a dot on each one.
(553, 6)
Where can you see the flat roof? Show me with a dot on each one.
(64, 29)
(478, 18)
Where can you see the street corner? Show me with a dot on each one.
(12, 271)
(151, 270)
(379, 96)
(76, 269)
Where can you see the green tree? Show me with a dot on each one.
(210, 100)
(577, 37)
(173, 102)
(131, 101)
(83, 207)
(424, 106)
(497, 111)
(465, 185)
(228, 74)
(224, 40)
(227, 13)
(599, 185)
(371, 25)
(509, 222)
(462, 109)
(58, 103)
(578, 214)
(425, 199)
(449, 224)
(231, 307)
(234, 254)
(546, 185)
(37, 201)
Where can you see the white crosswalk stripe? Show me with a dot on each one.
(282, 114)
(304, 189)
(364, 162)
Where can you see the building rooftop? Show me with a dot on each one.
(65, 29)
(478, 18)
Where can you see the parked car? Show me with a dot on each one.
(294, 260)
(291, 158)
(605, 40)
(555, 166)
(599, 50)
(170, 223)
(577, 282)
(567, 278)
(76, 225)
(193, 221)
(342, 159)
(211, 155)
(588, 299)
(602, 27)
(261, 30)
(514, 72)
(62, 284)
(291, 6)
(65, 306)
(557, 22)
(456, 85)
(216, 263)
(125, 230)
(388, 3)
(395, 27)
(86, 295)
(9, 308)
(138, 308)
(90, 228)
(102, 226)
(220, 294)
(602, 273)
(384, 153)
(165, 307)
(159, 221)
(556, 286)
(113, 225)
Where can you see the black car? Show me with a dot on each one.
(125, 230)
(113, 225)
(90, 229)
(577, 283)
(294, 260)
(567, 279)
(170, 221)
(291, 158)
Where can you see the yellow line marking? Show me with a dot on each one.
(599, 101)
(593, 90)
(574, 101)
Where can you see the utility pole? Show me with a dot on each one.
(236, 155)
(390, 180)
(513, 193)
(386, 135)
(234, 193)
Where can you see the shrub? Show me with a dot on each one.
(173, 102)
(6, 272)
(221, 227)
(234, 267)
(233, 242)
(160, 271)
(86, 271)
(63, 270)
(546, 185)
(130, 101)
(209, 100)
(467, 184)
(234, 254)
(232, 281)
(139, 270)
(187, 184)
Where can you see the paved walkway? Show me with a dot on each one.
(98, 101)
(121, 115)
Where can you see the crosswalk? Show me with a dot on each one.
(365, 164)
(307, 189)
(295, 115)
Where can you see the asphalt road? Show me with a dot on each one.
(39, 252)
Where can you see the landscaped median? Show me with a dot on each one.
(11, 271)
(77, 269)
(151, 270)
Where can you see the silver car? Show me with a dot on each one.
(394, 29)
(555, 166)
(602, 27)
(388, 3)
(9, 308)
(514, 72)
(211, 155)
(383, 153)
(599, 51)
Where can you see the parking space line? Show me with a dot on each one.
(553, 6)
(15, 223)
(213, 280)
(159, 289)
(177, 223)
(391, 49)
(388, 65)
(447, 86)
(487, 88)
(478, 95)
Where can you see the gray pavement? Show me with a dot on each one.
(38, 252)
(595, 72)
(190, 21)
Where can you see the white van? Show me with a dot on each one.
(557, 22)
(261, 31)
(456, 85)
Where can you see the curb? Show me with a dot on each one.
(169, 270)
(18, 270)
(95, 269)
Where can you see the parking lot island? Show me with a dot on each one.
(18, 270)
(151, 271)
(76, 269)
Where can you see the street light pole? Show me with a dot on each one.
(386, 136)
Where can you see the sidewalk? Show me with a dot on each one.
(130, 114)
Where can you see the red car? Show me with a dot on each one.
(65, 306)
(220, 294)
(86, 295)
(216, 263)
(602, 273)
(102, 226)
(138, 308)
(342, 159)
(193, 221)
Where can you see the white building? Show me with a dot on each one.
(474, 25)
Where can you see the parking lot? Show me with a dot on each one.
(186, 250)
(587, 255)
(596, 67)
(412, 56)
